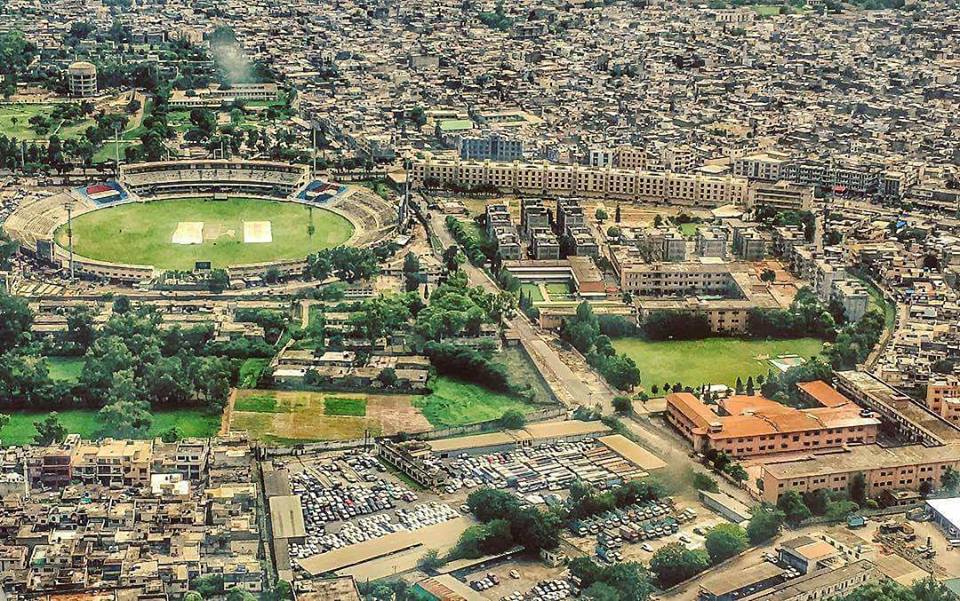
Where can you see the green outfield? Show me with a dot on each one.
(709, 361)
(189, 422)
(237, 231)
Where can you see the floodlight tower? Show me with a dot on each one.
(69, 208)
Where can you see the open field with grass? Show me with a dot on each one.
(458, 403)
(190, 422)
(533, 291)
(66, 369)
(709, 361)
(689, 230)
(14, 122)
(142, 233)
(294, 416)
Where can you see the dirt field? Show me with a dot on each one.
(300, 416)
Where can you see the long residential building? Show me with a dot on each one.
(552, 179)
(893, 468)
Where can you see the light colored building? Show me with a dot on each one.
(853, 296)
(550, 179)
(883, 468)
(114, 462)
(780, 195)
(82, 79)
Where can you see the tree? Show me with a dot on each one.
(793, 508)
(430, 562)
(192, 596)
(128, 418)
(926, 487)
(613, 232)
(737, 472)
(768, 275)
(512, 420)
(388, 377)
(208, 585)
(4, 420)
(858, 489)
(600, 591)
(702, 481)
(15, 321)
(49, 430)
(950, 480)
(218, 281)
(80, 329)
(765, 522)
(621, 404)
(674, 563)
(601, 214)
(725, 541)
(488, 503)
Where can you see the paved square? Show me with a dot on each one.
(257, 232)
(188, 232)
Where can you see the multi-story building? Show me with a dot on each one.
(52, 466)
(761, 166)
(883, 468)
(666, 244)
(781, 195)
(493, 147)
(750, 244)
(693, 189)
(582, 242)
(533, 216)
(913, 422)
(711, 242)
(854, 297)
(114, 462)
(746, 426)
(544, 245)
(943, 397)
(569, 215)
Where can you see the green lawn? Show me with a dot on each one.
(14, 122)
(141, 233)
(710, 361)
(766, 10)
(457, 403)
(190, 422)
(343, 406)
(258, 403)
(533, 291)
(66, 369)
(689, 230)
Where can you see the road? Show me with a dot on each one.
(580, 387)
(667, 446)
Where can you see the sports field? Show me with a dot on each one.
(709, 361)
(174, 234)
(289, 417)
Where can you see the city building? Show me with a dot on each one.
(746, 426)
(82, 79)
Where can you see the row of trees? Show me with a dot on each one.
(130, 365)
(582, 330)
(348, 263)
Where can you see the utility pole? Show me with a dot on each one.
(313, 130)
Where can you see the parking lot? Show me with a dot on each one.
(350, 498)
(535, 469)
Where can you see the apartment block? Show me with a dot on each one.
(782, 195)
(691, 189)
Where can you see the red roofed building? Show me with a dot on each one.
(744, 426)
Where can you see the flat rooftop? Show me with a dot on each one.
(632, 452)
(861, 458)
(728, 581)
(286, 517)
